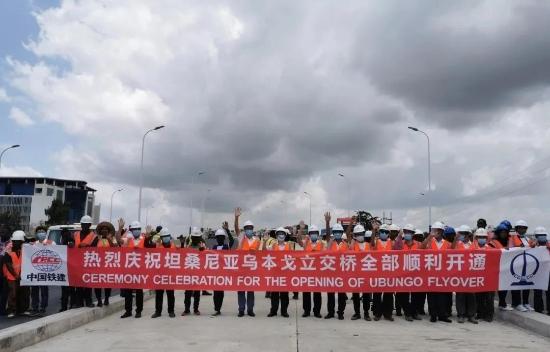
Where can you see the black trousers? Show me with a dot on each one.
(83, 296)
(67, 297)
(283, 298)
(359, 298)
(342, 298)
(128, 300)
(420, 302)
(485, 305)
(98, 293)
(317, 302)
(409, 302)
(39, 297)
(520, 297)
(466, 306)
(382, 304)
(3, 295)
(218, 300)
(438, 304)
(502, 298)
(196, 300)
(159, 298)
(538, 302)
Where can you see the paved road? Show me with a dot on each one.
(230, 333)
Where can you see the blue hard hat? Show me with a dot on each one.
(449, 231)
(502, 227)
(506, 224)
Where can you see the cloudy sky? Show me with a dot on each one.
(274, 99)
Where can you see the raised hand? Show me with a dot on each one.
(225, 225)
(238, 212)
(327, 216)
(121, 224)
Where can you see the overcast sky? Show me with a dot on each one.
(273, 99)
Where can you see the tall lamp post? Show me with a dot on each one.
(429, 176)
(204, 199)
(111, 210)
(5, 150)
(141, 168)
(191, 193)
(309, 197)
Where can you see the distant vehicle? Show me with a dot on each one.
(54, 232)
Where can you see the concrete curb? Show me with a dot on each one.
(23, 335)
(531, 321)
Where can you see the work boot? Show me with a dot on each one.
(285, 314)
(251, 314)
(99, 304)
(408, 318)
(138, 315)
(460, 320)
(197, 312)
(390, 318)
(367, 317)
(106, 302)
(216, 313)
(126, 315)
(376, 318)
(416, 317)
(398, 312)
(271, 314)
(329, 316)
(156, 315)
(305, 315)
(240, 315)
(340, 316)
(472, 320)
(445, 320)
(185, 312)
(317, 315)
(433, 319)
(171, 315)
(356, 316)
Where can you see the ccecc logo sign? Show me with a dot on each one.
(46, 260)
(523, 267)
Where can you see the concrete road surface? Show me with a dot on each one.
(230, 333)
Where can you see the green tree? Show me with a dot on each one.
(57, 213)
(9, 222)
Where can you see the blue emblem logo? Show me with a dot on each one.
(529, 266)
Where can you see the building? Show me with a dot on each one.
(31, 196)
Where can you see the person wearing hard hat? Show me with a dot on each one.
(68, 293)
(360, 243)
(465, 301)
(520, 298)
(18, 296)
(311, 242)
(382, 303)
(501, 240)
(407, 300)
(279, 297)
(437, 301)
(135, 238)
(164, 241)
(84, 238)
(335, 245)
(485, 306)
(105, 239)
(394, 232)
(541, 240)
(39, 294)
(221, 236)
(419, 297)
(248, 242)
(195, 241)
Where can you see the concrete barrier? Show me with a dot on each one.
(23, 335)
(531, 321)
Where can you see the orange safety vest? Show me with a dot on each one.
(357, 247)
(495, 244)
(314, 248)
(141, 244)
(250, 246)
(335, 247)
(410, 248)
(172, 245)
(460, 245)
(87, 240)
(516, 241)
(444, 246)
(276, 247)
(384, 245)
(16, 264)
(103, 242)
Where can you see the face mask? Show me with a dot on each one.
(407, 237)
(220, 240)
(482, 241)
(338, 235)
(166, 240)
(360, 238)
(314, 237)
(41, 236)
(461, 238)
(541, 239)
(249, 233)
(281, 238)
(136, 233)
(384, 236)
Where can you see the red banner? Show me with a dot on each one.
(297, 271)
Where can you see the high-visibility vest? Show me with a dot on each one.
(357, 247)
(339, 247)
(495, 244)
(250, 245)
(16, 264)
(444, 246)
(517, 242)
(47, 242)
(277, 247)
(318, 246)
(172, 245)
(103, 242)
(414, 246)
(131, 243)
(462, 245)
(384, 245)
(87, 240)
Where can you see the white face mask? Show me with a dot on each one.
(281, 238)
(360, 238)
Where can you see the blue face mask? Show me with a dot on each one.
(166, 240)
(407, 237)
(41, 236)
(337, 235)
(541, 239)
(482, 241)
(360, 238)
(249, 233)
(314, 237)
(384, 236)
(461, 238)
(136, 233)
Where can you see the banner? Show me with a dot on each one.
(44, 265)
(524, 269)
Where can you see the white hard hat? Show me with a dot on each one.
(394, 227)
(383, 227)
(540, 231)
(418, 232)
(164, 232)
(248, 223)
(368, 233)
(195, 232)
(408, 227)
(521, 223)
(281, 229)
(358, 229)
(135, 225)
(438, 225)
(464, 228)
(18, 236)
(220, 232)
(337, 227)
(481, 232)
(86, 219)
(313, 228)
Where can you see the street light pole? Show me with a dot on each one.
(111, 210)
(141, 167)
(5, 150)
(309, 197)
(348, 189)
(203, 206)
(429, 175)
(191, 194)
(147, 215)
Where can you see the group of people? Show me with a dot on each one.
(356, 237)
